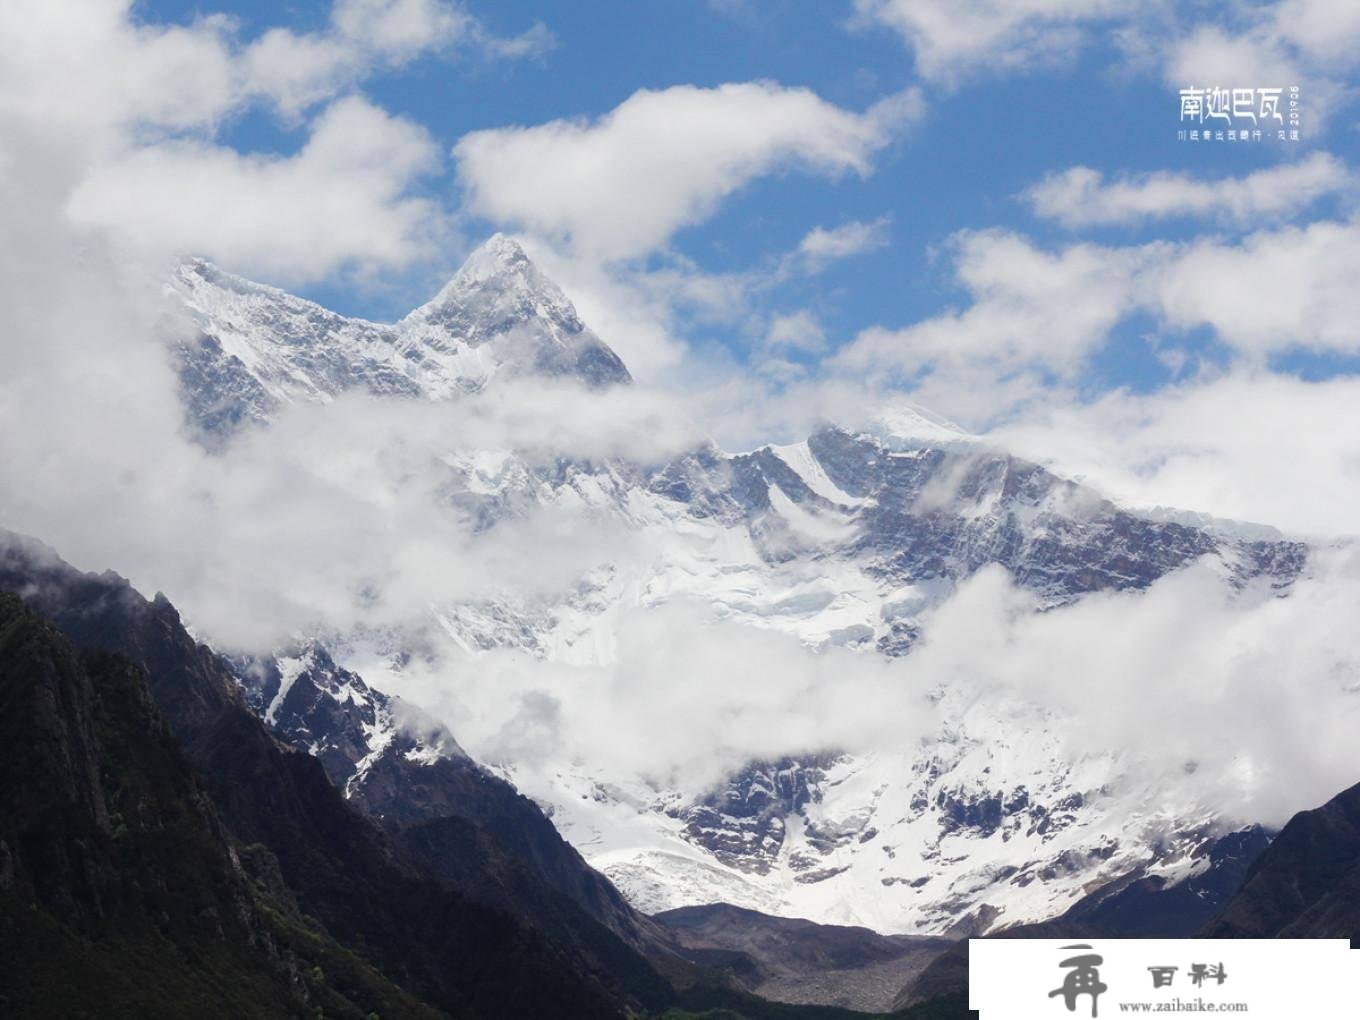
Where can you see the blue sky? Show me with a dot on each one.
(984, 138)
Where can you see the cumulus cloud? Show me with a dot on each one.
(684, 699)
(1310, 43)
(618, 187)
(296, 70)
(950, 39)
(1278, 290)
(87, 66)
(1030, 310)
(145, 105)
(343, 199)
(93, 65)
(798, 331)
(1242, 445)
(1082, 197)
(1036, 317)
(1255, 693)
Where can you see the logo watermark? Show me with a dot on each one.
(1218, 114)
(1271, 979)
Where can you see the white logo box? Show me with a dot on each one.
(1260, 979)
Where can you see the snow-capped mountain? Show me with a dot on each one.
(847, 540)
(337, 718)
(259, 348)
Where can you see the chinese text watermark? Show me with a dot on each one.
(1255, 114)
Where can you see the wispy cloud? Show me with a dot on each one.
(823, 245)
(1082, 197)
(951, 39)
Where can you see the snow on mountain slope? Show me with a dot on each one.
(987, 823)
(313, 703)
(260, 348)
(848, 540)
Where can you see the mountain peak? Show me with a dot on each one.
(497, 256)
(500, 297)
(260, 348)
(499, 265)
(908, 425)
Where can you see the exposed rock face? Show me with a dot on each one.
(796, 961)
(121, 891)
(329, 712)
(942, 513)
(1306, 885)
(500, 940)
(742, 824)
(407, 772)
(1147, 905)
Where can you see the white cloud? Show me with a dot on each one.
(799, 331)
(686, 698)
(1278, 290)
(952, 38)
(342, 201)
(1081, 197)
(297, 71)
(1244, 445)
(1310, 43)
(822, 245)
(534, 41)
(1029, 308)
(1211, 55)
(140, 107)
(1256, 692)
(87, 66)
(1328, 32)
(1036, 317)
(92, 65)
(399, 29)
(618, 187)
